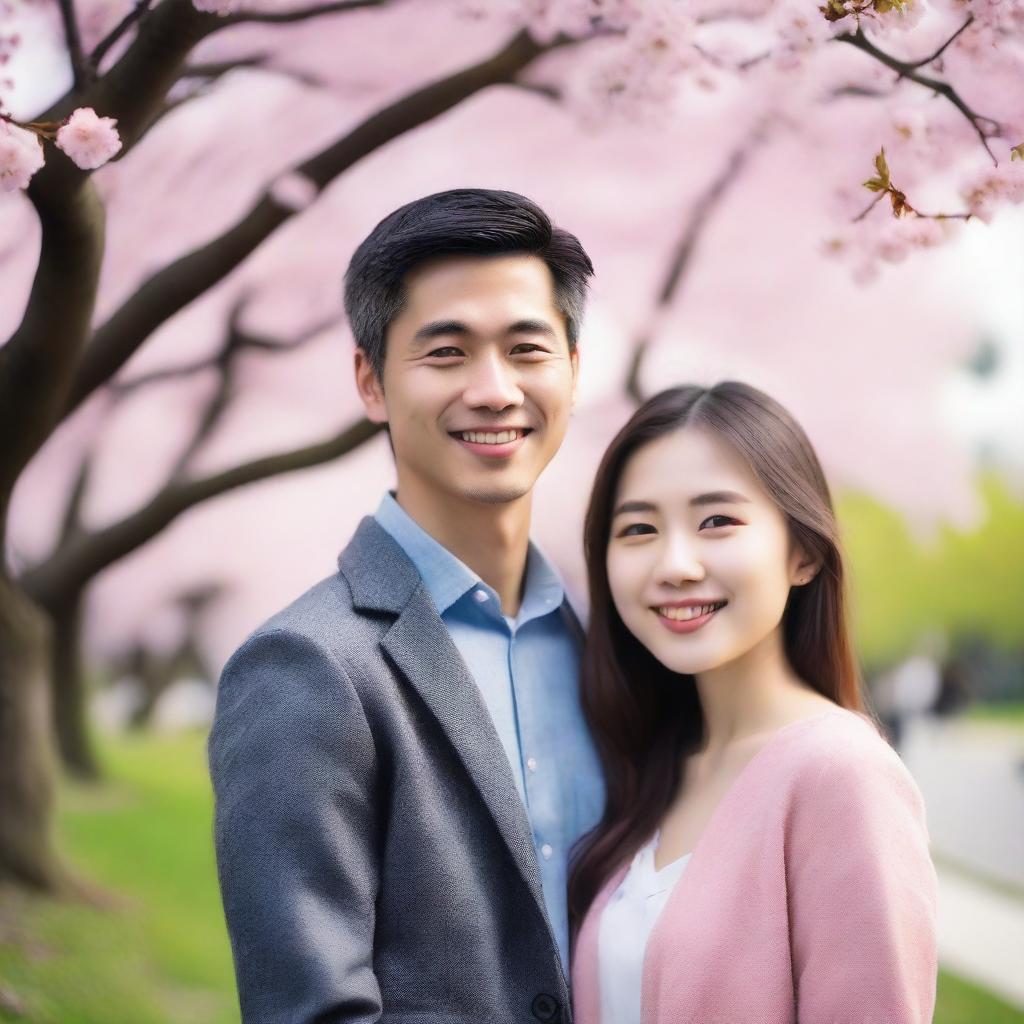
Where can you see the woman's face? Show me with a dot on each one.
(699, 560)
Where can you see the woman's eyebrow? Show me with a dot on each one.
(720, 498)
(634, 506)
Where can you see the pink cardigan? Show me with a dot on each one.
(810, 896)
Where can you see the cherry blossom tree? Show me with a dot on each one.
(230, 144)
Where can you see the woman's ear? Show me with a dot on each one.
(802, 567)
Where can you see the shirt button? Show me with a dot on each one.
(531, 763)
(480, 596)
(546, 851)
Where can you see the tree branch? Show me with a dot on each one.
(949, 42)
(940, 88)
(697, 221)
(246, 340)
(859, 91)
(236, 341)
(133, 89)
(37, 363)
(104, 46)
(73, 39)
(71, 521)
(213, 411)
(172, 288)
(299, 14)
(213, 70)
(549, 92)
(73, 566)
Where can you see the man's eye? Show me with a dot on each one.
(637, 530)
(713, 522)
(527, 348)
(445, 352)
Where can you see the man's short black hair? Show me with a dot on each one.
(461, 222)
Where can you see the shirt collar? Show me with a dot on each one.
(447, 579)
(444, 576)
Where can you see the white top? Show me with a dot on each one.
(626, 924)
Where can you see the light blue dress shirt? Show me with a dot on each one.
(527, 669)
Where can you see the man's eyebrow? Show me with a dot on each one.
(532, 327)
(441, 329)
(720, 498)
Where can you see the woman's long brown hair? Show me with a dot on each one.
(646, 719)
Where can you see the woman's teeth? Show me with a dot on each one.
(690, 612)
(502, 437)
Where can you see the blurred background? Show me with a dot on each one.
(711, 158)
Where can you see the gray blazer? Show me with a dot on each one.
(375, 860)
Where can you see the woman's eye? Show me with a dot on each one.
(713, 522)
(637, 530)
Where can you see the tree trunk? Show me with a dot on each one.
(69, 702)
(27, 768)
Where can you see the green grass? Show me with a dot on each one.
(1008, 713)
(957, 583)
(960, 1002)
(158, 953)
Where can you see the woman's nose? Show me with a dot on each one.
(679, 563)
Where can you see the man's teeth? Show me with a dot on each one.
(693, 612)
(502, 437)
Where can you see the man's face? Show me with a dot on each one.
(478, 380)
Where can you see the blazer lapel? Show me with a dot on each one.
(419, 645)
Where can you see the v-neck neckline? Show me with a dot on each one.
(744, 773)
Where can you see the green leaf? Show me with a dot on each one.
(1017, 153)
(881, 166)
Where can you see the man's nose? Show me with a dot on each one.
(680, 562)
(492, 384)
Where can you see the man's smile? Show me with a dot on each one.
(492, 443)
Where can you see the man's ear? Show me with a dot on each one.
(574, 359)
(370, 388)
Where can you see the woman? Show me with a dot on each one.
(763, 855)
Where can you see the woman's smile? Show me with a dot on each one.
(688, 616)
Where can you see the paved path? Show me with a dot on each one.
(981, 936)
(972, 778)
(973, 784)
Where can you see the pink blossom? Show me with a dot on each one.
(923, 233)
(802, 26)
(892, 247)
(90, 141)
(221, 7)
(293, 191)
(909, 123)
(21, 155)
(901, 17)
(662, 25)
(993, 186)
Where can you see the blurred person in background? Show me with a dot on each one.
(763, 855)
(400, 759)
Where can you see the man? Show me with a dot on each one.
(399, 758)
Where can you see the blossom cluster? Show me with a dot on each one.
(87, 139)
(221, 7)
(994, 186)
(803, 68)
